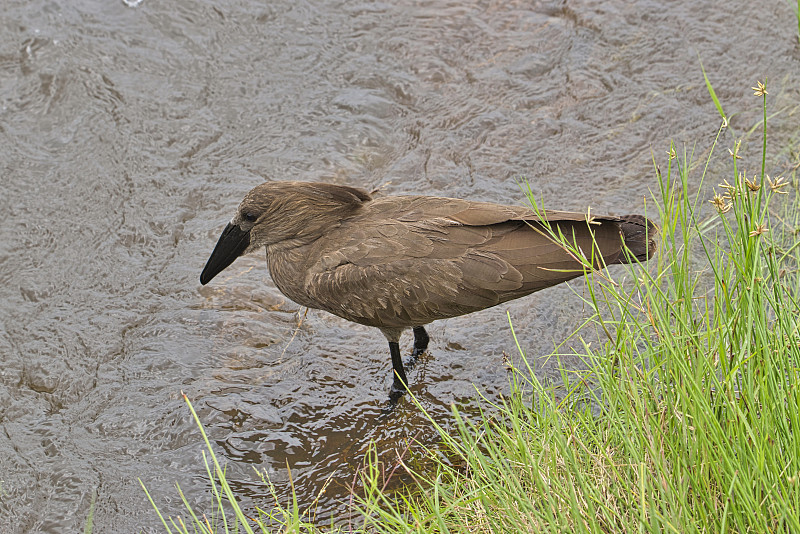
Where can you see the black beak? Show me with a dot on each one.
(230, 246)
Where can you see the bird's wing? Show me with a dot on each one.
(466, 212)
(398, 276)
(461, 257)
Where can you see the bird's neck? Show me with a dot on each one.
(287, 267)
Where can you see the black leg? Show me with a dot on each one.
(421, 340)
(399, 384)
(420, 344)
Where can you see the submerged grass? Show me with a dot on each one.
(225, 514)
(685, 419)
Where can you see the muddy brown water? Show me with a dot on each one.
(128, 134)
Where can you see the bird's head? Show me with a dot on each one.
(282, 212)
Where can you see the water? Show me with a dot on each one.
(131, 131)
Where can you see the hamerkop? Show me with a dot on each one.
(399, 262)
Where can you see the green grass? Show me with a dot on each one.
(685, 418)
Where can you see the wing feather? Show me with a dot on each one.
(427, 258)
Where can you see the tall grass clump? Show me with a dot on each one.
(687, 417)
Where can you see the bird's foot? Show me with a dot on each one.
(397, 390)
(412, 360)
(396, 393)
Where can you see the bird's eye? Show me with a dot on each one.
(250, 216)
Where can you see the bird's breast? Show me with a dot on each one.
(288, 270)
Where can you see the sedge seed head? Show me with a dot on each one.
(758, 230)
(752, 186)
(760, 89)
(720, 203)
(777, 185)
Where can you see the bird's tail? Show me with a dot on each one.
(639, 234)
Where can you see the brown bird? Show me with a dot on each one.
(396, 262)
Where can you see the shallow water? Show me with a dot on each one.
(129, 134)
